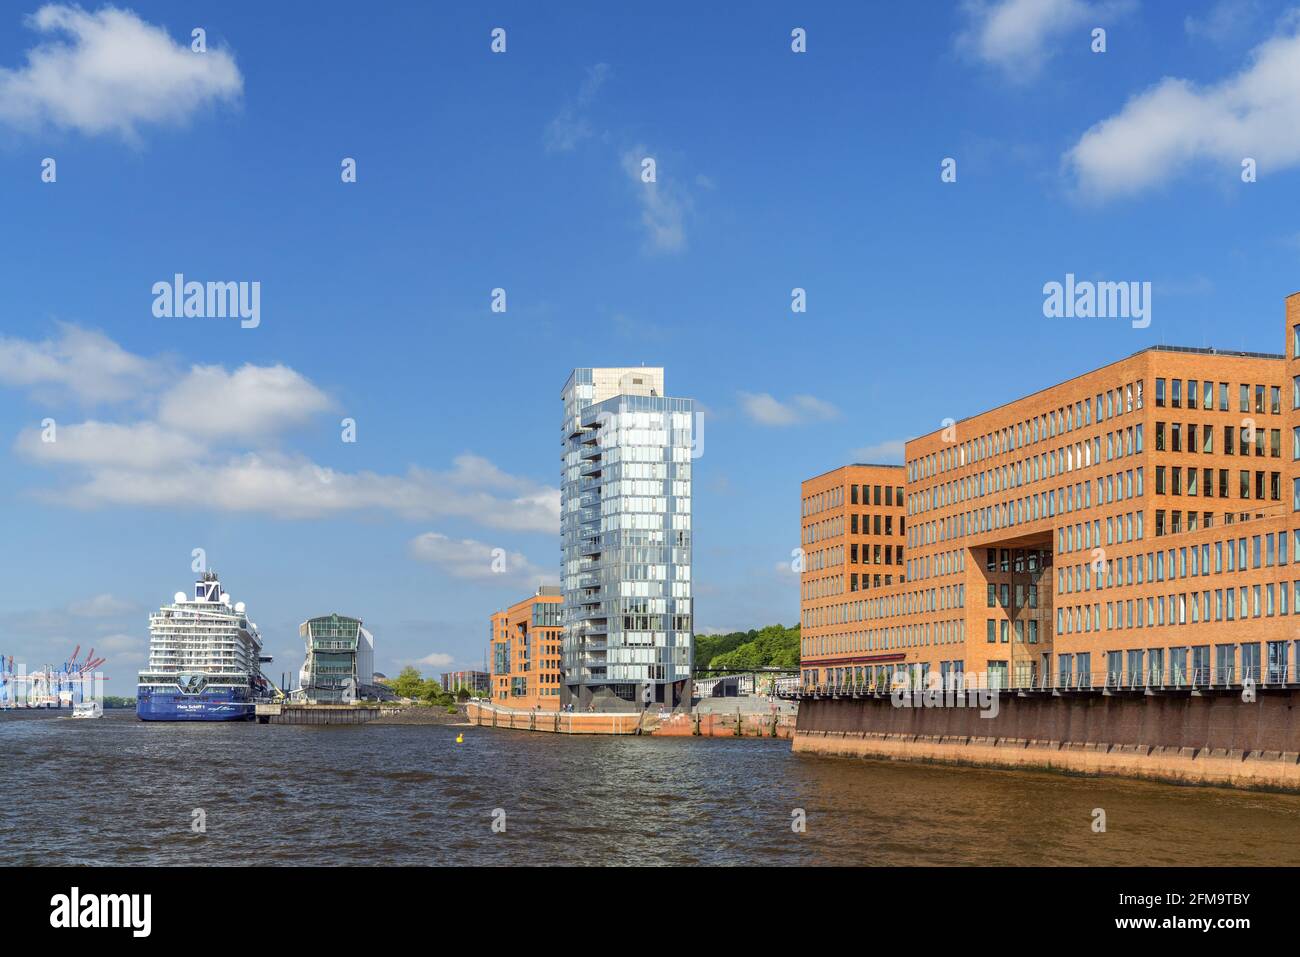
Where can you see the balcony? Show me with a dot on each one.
(590, 469)
(590, 548)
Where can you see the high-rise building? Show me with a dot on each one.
(1129, 527)
(524, 652)
(625, 525)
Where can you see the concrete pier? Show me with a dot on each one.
(316, 713)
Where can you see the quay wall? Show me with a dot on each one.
(1184, 737)
(316, 713)
(678, 724)
(556, 722)
(722, 725)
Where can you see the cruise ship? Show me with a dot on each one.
(205, 659)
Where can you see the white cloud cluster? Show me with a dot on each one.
(252, 402)
(1254, 113)
(111, 72)
(1019, 36)
(764, 409)
(80, 363)
(217, 430)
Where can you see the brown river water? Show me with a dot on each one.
(119, 791)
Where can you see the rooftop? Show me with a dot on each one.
(1192, 350)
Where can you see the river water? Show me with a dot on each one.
(120, 791)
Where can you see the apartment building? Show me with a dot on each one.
(524, 652)
(476, 682)
(625, 528)
(1136, 525)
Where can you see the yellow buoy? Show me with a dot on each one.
(460, 739)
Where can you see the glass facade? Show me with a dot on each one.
(625, 505)
(329, 675)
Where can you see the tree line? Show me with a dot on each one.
(772, 647)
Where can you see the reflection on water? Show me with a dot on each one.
(119, 791)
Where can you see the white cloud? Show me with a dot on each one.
(80, 362)
(294, 487)
(477, 561)
(101, 606)
(799, 410)
(138, 445)
(1019, 36)
(161, 463)
(252, 402)
(111, 72)
(570, 126)
(664, 204)
(1254, 113)
(889, 452)
(437, 659)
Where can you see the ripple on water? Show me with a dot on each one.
(121, 791)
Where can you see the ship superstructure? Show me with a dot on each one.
(205, 659)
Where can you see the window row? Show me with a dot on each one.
(1104, 406)
(1267, 399)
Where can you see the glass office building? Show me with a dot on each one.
(333, 644)
(625, 506)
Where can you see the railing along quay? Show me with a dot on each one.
(1192, 680)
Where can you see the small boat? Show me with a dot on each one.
(88, 709)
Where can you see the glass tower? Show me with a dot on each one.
(625, 529)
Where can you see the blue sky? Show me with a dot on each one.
(518, 170)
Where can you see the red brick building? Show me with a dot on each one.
(1136, 524)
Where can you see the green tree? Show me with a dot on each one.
(408, 683)
(774, 646)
